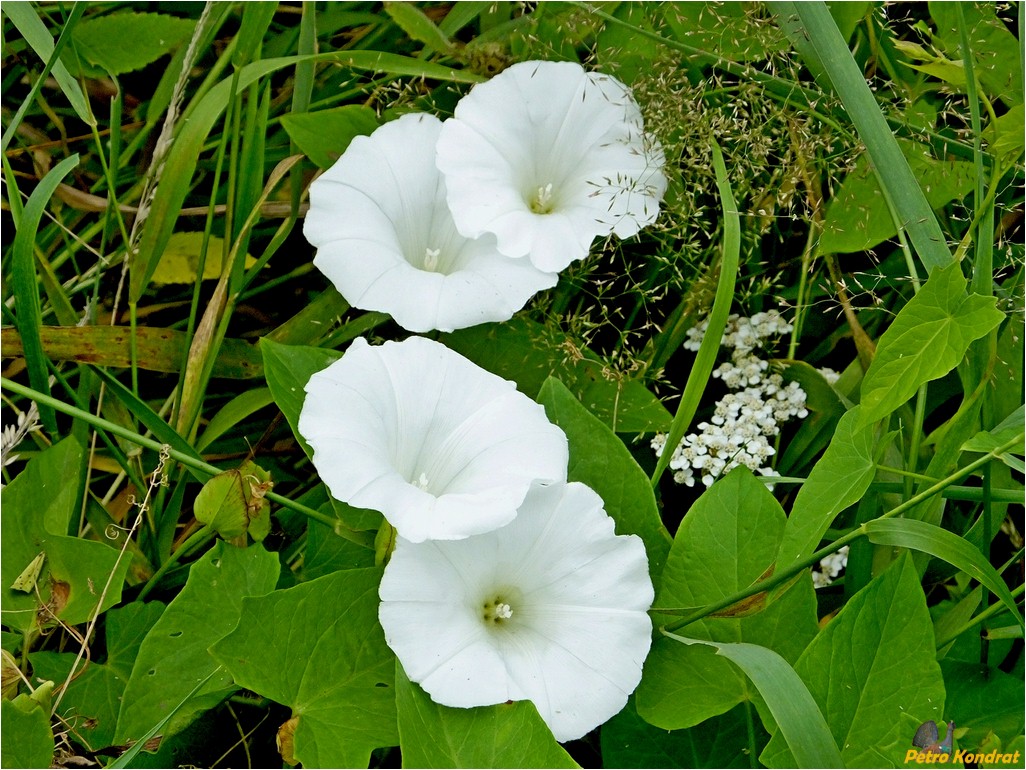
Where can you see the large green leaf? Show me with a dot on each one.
(926, 340)
(998, 436)
(859, 218)
(720, 741)
(599, 459)
(318, 648)
(997, 55)
(287, 369)
(728, 541)
(27, 738)
(796, 714)
(506, 735)
(527, 353)
(38, 507)
(838, 480)
(100, 41)
(873, 672)
(173, 657)
(987, 701)
(324, 135)
(93, 698)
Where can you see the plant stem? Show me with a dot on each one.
(184, 459)
(781, 577)
(199, 536)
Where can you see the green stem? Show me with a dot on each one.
(198, 537)
(785, 575)
(184, 459)
(991, 611)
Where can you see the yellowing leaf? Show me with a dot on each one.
(180, 259)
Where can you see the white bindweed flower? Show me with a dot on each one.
(547, 157)
(386, 239)
(441, 447)
(551, 608)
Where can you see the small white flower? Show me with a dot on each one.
(547, 157)
(386, 239)
(551, 608)
(438, 445)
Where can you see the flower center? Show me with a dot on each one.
(422, 481)
(431, 259)
(541, 201)
(496, 611)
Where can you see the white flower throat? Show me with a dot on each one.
(431, 259)
(541, 202)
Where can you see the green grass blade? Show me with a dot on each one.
(816, 35)
(415, 23)
(184, 155)
(706, 358)
(26, 289)
(28, 23)
(788, 699)
(938, 542)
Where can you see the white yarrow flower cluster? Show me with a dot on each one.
(830, 567)
(745, 421)
(448, 225)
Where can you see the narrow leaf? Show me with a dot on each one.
(817, 37)
(28, 23)
(26, 288)
(698, 378)
(796, 713)
(938, 542)
(873, 673)
(415, 23)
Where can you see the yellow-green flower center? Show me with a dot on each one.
(541, 202)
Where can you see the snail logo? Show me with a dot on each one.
(929, 749)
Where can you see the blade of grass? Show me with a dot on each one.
(796, 712)
(26, 288)
(185, 459)
(706, 357)
(24, 18)
(817, 37)
(188, 144)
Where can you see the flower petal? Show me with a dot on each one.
(386, 239)
(547, 157)
(443, 448)
(576, 632)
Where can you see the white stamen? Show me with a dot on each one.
(431, 259)
(422, 482)
(503, 611)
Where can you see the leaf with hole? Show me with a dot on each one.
(173, 657)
